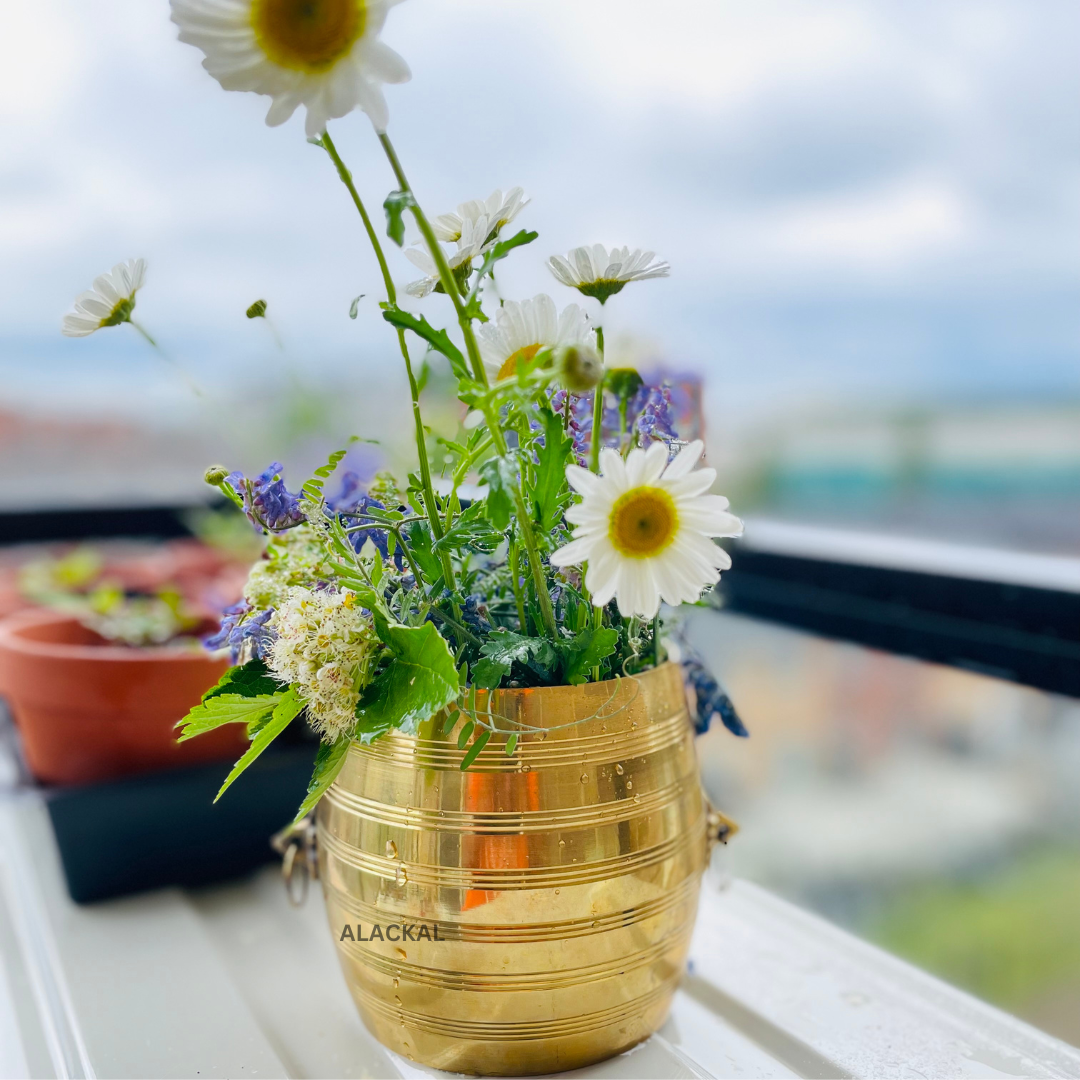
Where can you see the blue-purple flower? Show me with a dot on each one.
(352, 506)
(711, 699)
(239, 624)
(267, 502)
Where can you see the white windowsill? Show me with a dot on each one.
(233, 982)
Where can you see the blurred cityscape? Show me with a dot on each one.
(932, 810)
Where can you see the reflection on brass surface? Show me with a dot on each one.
(562, 881)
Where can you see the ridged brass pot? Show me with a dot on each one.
(534, 911)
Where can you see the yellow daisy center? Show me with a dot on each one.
(307, 35)
(643, 522)
(510, 364)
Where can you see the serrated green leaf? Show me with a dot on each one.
(420, 680)
(288, 708)
(420, 545)
(439, 340)
(504, 247)
(328, 762)
(499, 475)
(395, 205)
(226, 709)
(503, 648)
(249, 680)
(474, 750)
(551, 492)
(465, 734)
(585, 651)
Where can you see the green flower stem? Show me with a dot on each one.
(597, 411)
(430, 505)
(515, 575)
(656, 639)
(446, 276)
(462, 471)
(193, 386)
(528, 535)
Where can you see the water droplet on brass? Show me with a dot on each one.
(584, 777)
(562, 843)
(402, 953)
(556, 892)
(526, 767)
(619, 769)
(633, 724)
(396, 982)
(391, 849)
(397, 1000)
(596, 922)
(629, 784)
(637, 798)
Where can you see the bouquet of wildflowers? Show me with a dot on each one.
(377, 609)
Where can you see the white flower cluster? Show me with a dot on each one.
(327, 647)
(294, 557)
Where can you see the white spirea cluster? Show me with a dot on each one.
(327, 647)
(294, 557)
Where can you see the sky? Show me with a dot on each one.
(860, 201)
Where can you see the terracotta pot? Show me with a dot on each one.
(88, 710)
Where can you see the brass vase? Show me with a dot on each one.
(534, 911)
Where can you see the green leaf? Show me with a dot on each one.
(314, 487)
(585, 651)
(257, 310)
(354, 307)
(551, 492)
(422, 549)
(328, 762)
(420, 680)
(470, 532)
(474, 750)
(511, 743)
(503, 647)
(501, 479)
(288, 708)
(396, 203)
(439, 340)
(227, 709)
(248, 680)
(504, 247)
(465, 734)
(451, 720)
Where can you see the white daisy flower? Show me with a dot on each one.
(323, 54)
(470, 243)
(109, 302)
(645, 527)
(520, 331)
(597, 272)
(499, 210)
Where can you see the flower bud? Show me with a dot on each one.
(257, 310)
(578, 368)
(215, 475)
